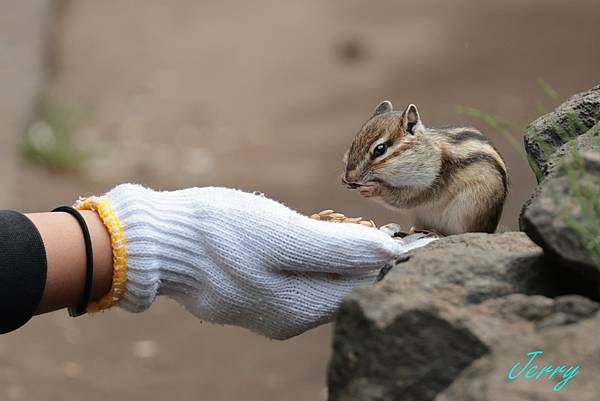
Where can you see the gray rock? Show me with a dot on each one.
(572, 118)
(564, 215)
(572, 345)
(576, 305)
(470, 268)
(569, 309)
(587, 142)
(410, 357)
(437, 310)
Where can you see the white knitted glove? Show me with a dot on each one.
(238, 258)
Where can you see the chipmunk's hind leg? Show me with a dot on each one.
(431, 224)
(469, 213)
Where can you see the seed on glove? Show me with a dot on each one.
(325, 212)
(330, 215)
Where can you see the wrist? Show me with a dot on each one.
(113, 227)
(65, 251)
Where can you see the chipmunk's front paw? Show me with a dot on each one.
(370, 190)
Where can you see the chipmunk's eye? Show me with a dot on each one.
(379, 150)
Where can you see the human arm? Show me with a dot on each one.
(228, 256)
(65, 256)
(42, 264)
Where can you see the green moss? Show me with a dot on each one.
(585, 221)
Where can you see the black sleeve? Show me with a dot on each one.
(23, 269)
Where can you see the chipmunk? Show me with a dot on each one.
(452, 178)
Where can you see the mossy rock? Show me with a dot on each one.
(547, 134)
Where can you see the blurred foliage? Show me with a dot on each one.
(510, 131)
(548, 90)
(507, 129)
(50, 139)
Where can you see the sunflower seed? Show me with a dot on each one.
(325, 212)
(337, 216)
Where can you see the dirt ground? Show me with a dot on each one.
(262, 95)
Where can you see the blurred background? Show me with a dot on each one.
(263, 95)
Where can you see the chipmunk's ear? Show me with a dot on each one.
(383, 107)
(411, 119)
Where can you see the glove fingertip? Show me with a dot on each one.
(382, 244)
(393, 248)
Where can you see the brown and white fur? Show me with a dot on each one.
(451, 178)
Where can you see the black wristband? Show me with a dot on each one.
(81, 309)
(23, 268)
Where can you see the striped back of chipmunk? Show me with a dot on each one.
(463, 147)
(469, 160)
